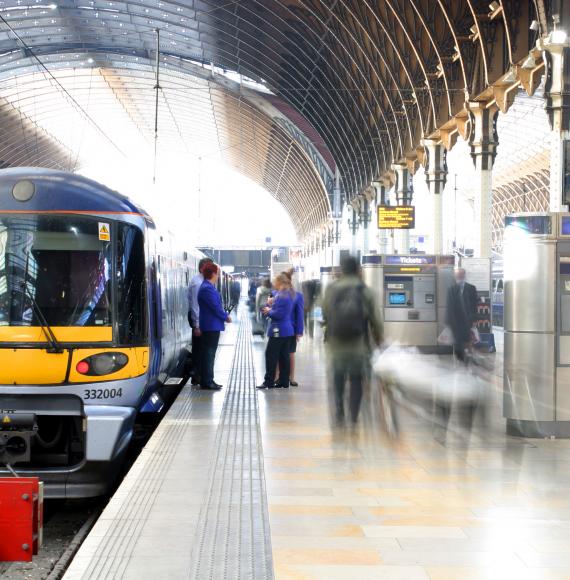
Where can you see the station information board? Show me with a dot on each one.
(396, 217)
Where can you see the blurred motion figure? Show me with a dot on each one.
(263, 294)
(353, 327)
(235, 293)
(461, 312)
(310, 294)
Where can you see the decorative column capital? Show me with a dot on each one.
(435, 165)
(556, 54)
(404, 188)
(483, 137)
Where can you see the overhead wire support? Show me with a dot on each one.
(156, 93)
(46, 71)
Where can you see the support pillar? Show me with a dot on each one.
(404, 194)
(365, 221)
(556, 54)
(381, 192)
(436, 177)
(353, 223)
(483, 142)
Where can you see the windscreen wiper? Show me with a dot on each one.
(56, 347)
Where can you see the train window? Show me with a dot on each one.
(56, 266)
(131, 287)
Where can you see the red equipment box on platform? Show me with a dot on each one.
(21, 518)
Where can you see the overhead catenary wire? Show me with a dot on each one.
(156, 94)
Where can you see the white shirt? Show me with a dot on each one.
(193, 289)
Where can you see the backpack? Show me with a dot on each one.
(346, 319)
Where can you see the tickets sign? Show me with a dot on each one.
(396, 217)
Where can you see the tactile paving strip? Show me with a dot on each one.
(233, 540)
(112, 555)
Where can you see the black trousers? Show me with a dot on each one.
(208, 347)
(277, 353)
(356, 379)
(196, 356)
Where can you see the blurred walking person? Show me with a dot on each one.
(235, 293)
(353, 327)
(280, 330)
(460, 317)
(262, 296)
(212, 321)
(461, 312)
(310, 293)
(194, 319)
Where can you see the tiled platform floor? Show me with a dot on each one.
(358, 505)
(361, 505)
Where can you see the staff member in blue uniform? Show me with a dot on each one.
(279, 332)
(194, 319)
(298, 321)
(212, 321)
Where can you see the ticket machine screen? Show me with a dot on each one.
(397, 298)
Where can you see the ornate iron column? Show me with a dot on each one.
(380, 190)
(556, 54)
(336, 220)
(404, 194)
(364, 218)
(353, 223)
(483, 141)
(436, 178)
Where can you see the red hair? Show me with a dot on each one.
(208, 270)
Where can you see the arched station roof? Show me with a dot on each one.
(371, 77)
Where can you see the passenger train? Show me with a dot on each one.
(93, 326)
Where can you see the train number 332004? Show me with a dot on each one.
(102, 393)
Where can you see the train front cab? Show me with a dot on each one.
(74, 343)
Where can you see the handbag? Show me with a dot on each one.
(445, 336)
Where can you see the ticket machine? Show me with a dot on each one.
(412, 291)
(536, 379)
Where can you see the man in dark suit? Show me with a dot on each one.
(461, 312)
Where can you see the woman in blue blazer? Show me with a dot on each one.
(212, 321)
(280, 331)
(298, 319)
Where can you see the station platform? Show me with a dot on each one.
(258, 484)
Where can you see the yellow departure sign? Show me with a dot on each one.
(396, 217)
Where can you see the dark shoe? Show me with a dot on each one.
(265, 386)
(195, 381)
(281, 386)
(294, 383)
(212, 387)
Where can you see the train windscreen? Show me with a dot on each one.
(58, 267)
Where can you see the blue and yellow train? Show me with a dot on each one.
(93, 325)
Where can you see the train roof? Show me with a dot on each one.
(59, 191)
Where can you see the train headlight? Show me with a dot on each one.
(104, 363)
(23, 190)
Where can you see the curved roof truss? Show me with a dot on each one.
(372, 77)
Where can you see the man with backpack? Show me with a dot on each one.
(353, 327)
